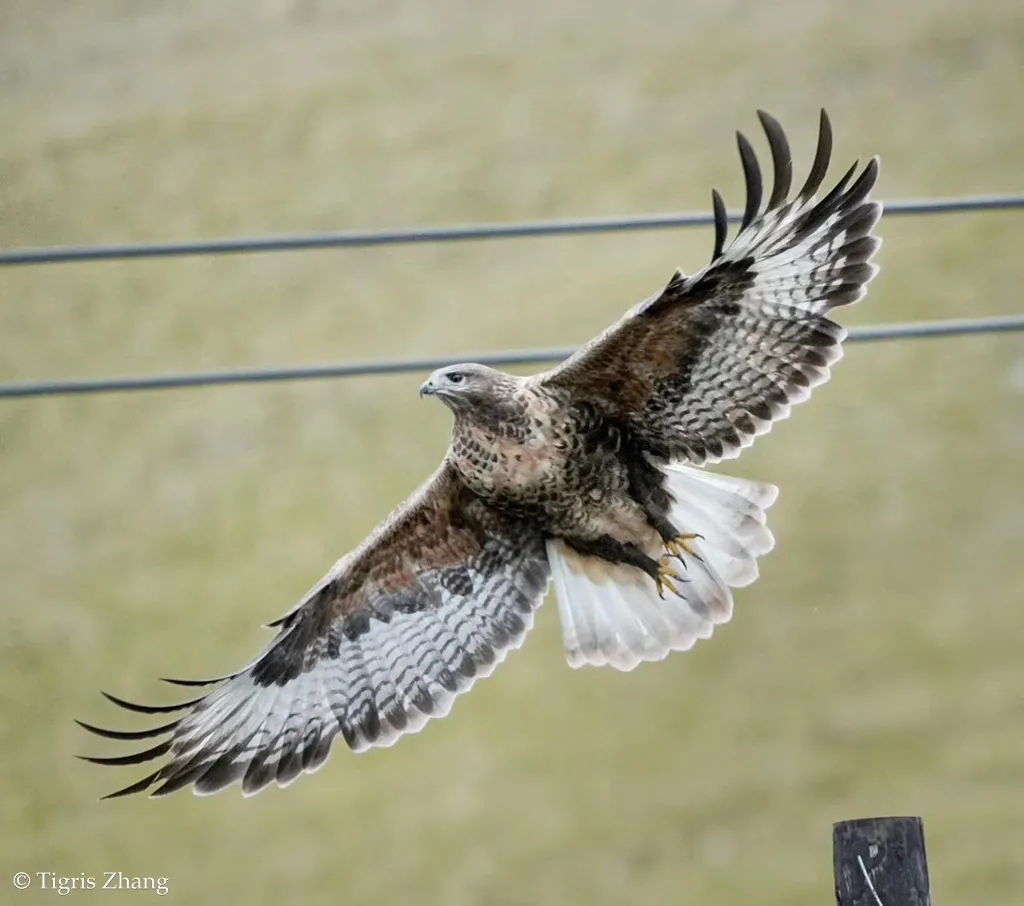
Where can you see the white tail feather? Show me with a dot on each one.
(612, 614)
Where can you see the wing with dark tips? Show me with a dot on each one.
(709, 363)
(430, 602)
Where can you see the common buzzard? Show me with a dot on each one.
(588, 474)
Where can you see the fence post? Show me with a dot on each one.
(880, 862)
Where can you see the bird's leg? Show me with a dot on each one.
(676, 543)
(607, 548)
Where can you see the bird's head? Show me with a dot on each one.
(465, 387)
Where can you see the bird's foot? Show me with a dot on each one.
(666, 576)
(681, 544)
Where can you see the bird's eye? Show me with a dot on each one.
(455, 377)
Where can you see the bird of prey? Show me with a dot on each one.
(589, 474)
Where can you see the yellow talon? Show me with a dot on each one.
(680, 545)
(665, 577)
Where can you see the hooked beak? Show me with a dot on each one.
(427, 388)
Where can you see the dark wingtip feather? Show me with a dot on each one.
(135, 758)
(822, 156)
(195, 682)
(260, 772)
(875, 165)
(828, 205)
(289, 765)
(125, 734)
(865, 182)
(782, 158)
(721, 224)
(138, 787)
(149, 709)
(840, 187)
(222, 773)
(181, 779)
(752, 175)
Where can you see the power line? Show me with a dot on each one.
(361, 238)
(871, 333)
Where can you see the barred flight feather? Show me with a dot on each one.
(713, 360)
(420, 646)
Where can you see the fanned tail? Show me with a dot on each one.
(612, 614)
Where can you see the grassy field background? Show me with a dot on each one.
(875, 668)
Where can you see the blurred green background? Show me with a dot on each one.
(875, 668)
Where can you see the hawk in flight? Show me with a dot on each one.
(589, 475)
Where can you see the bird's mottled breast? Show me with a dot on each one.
(516, 451)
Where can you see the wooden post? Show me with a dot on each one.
(880, 862)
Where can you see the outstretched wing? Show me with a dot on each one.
(703, 367)
(429, 602)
